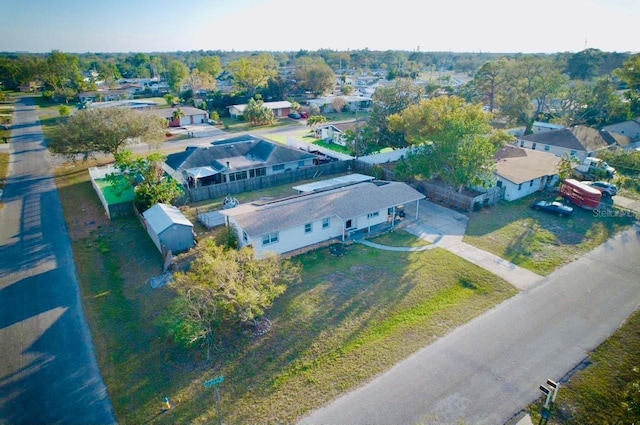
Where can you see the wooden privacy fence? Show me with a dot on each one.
(465, 201)
(287, 177)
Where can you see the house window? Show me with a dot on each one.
(240, 175)
(522, 143)
(270, 238)
(533, 146)
(278, 167)
(530, 183)
(499, 183)
(520, 186)
(546, 148)
(258, 172)
(301, 163)
(348, 224)
(245, 237)
(308, 228)
(373, 214)
(573, 153)
(325, 223)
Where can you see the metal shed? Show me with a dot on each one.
(169, 229)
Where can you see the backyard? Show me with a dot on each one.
(351, 318)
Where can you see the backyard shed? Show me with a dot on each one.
(169, 229)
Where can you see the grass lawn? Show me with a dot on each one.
(538, 241)
(606, 391)
(400, 238)
(350, 318)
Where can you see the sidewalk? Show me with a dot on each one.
(445, 228)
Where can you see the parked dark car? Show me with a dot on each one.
(553, 207)
(295, 115)
(606, 188)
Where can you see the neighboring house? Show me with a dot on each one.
(280, 109)
(131, 104)
(189, 115)
(579, 141)
(31, 86)
(297, 222)
(354, 103)
(629, 128)
(239, 158)
(169, 229)
(105, 96)
(335, 133)
(542, 127)
(521, 172)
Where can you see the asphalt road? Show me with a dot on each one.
(489, 369)
(48, 370)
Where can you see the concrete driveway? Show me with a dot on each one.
(445, 228)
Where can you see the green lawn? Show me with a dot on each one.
(539, 241)
(606, 392)
(351, 318)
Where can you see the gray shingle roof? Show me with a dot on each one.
(522, 165)
(578, 138)
(344, 203)
(242, 153)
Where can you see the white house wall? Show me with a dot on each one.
(292, 238)
(514, 191)
(581, 155)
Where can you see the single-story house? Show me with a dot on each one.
(238, 158)
(335, 133)
(542, 127)
(189, 116)
(354, 103)
(297, 222)
(131, 104)
(169, 229)
(629, 128)
(521, 172)
(105, 95)
(280, 109)
(579, 141)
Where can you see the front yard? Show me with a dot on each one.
(538, 241)
(351, 318)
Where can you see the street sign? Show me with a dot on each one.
(215, 381)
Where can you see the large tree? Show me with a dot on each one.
(178, 74)
(387, 101)
(105, 130)
(314, 75)
(250, 74)
(61, 75)
(211, 65)
(452, 140)
(630, 74)
(225, 288)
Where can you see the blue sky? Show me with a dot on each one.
(504, 26)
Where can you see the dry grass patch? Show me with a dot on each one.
(539, 241)
(351, 318)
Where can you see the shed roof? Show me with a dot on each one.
(162, 216)
(344, 202)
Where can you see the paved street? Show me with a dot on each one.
(489, 369)
(48, 370)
